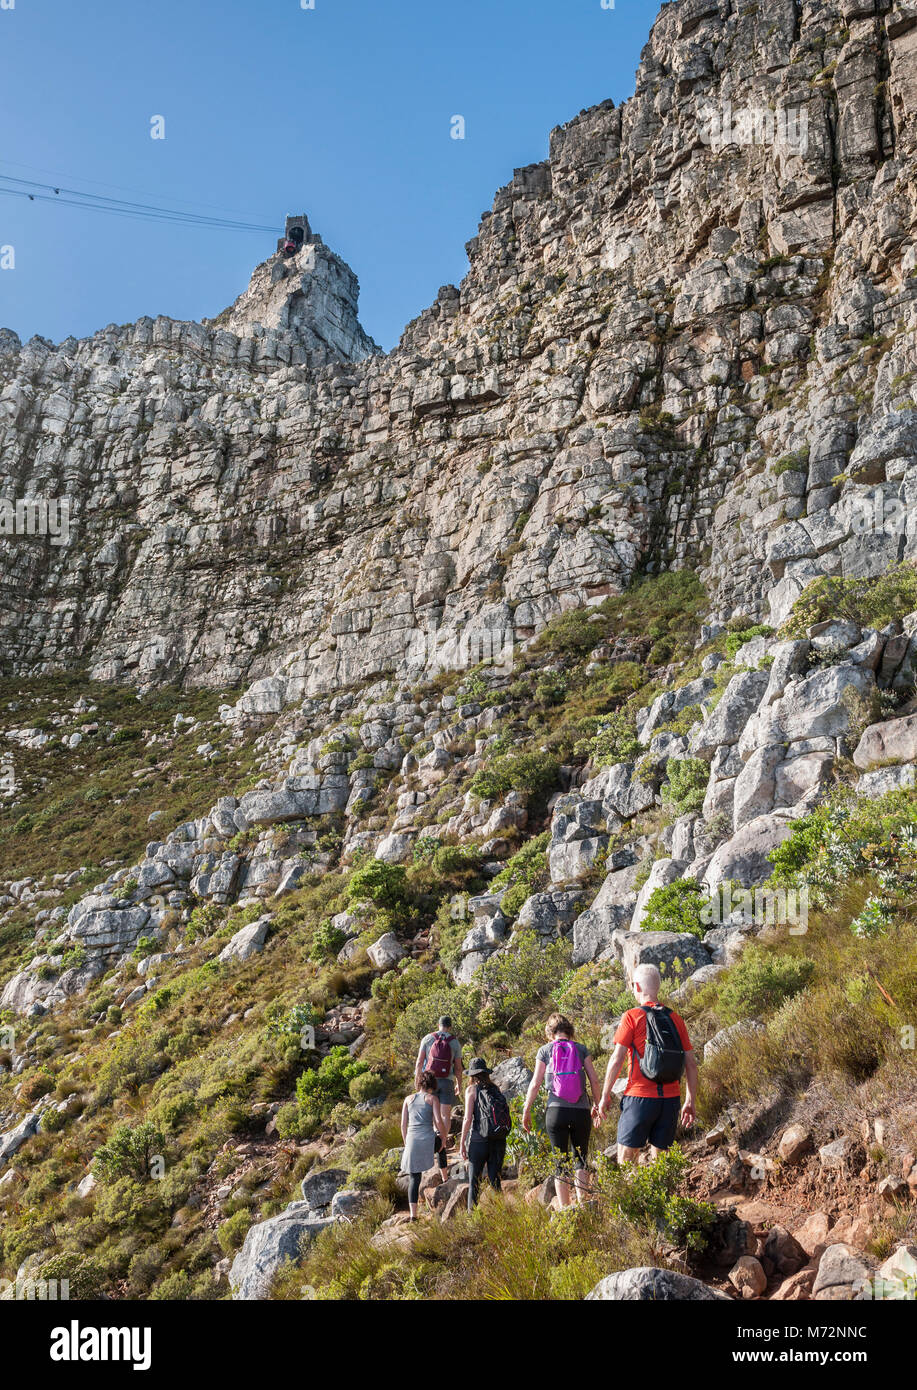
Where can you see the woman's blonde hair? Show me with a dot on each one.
(558, 1023)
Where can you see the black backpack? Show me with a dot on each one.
(494, 1119)
(663, 1057)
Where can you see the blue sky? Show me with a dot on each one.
(342, 111)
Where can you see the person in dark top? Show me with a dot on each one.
(481, 1152)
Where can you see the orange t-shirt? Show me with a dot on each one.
(632, 1035)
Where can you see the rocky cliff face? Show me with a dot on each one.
(668, 349)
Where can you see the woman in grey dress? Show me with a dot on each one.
(421, 1121)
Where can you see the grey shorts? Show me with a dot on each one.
(445, 1090)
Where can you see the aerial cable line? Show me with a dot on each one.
(119, 188)
(118, 207)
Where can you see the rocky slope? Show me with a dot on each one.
(472, 676)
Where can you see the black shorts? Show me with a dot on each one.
(646, 1120)
(569, 1128)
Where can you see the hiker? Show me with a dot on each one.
(421, 1123)
(656, 1041)
(441, 1054)
(563, 1065)
(485, 1129)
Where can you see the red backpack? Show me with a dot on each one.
(439, 1058)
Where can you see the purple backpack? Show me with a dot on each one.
(567, 1071)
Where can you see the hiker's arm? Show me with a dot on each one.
(459, 1073)
(439, 1121)
(689, 1114)
(615, 1063)
(470, 1098)
(404, 1121)
(589, 1069)
(531, 1093)
(418, 1067)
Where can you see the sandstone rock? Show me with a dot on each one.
(812, 1235)
(654, 1286)
(386, 952)
(894, 741)
(512, 1076)
(728, 1037)
(841, 1276)
(782, 1252)
(247, 942)
(837, 1155)
(675, 954)
(747, 1277)
(795, 1143)
(318, 1189)
(268, 1245)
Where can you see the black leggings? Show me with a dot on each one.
(414, 1185)
(484, 1154)
(569, 1127)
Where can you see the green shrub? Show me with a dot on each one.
(686, 784)
(380, 883)
(571, 634)
(615, 741)
(867, 602)
(760, 982)
(326, 942)
(516, 981)
(129, 1152)
(368, 1086)
(319, 1089)
(232, 1232)
(648, 1195)
(533, 774)
(736, 640)
(682, 906)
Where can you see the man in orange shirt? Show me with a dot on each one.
(650, 1108)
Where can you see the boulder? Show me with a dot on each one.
(823, 702)
(550, 915)
(247, 942)
(744, 858)
(650, 1285)
(318, 1189)
(737, 704)
(268, 1246)
(611, 909)
(894, 741)
(782, 1252)
(839, 1154)
(512, 1076)
(386, 952)
(12, 1141)
(812, 1235)
(747, 1277)
(842, 1275)
(795, 1143)
(676, 954)
(622, 793)
(728, 1037)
